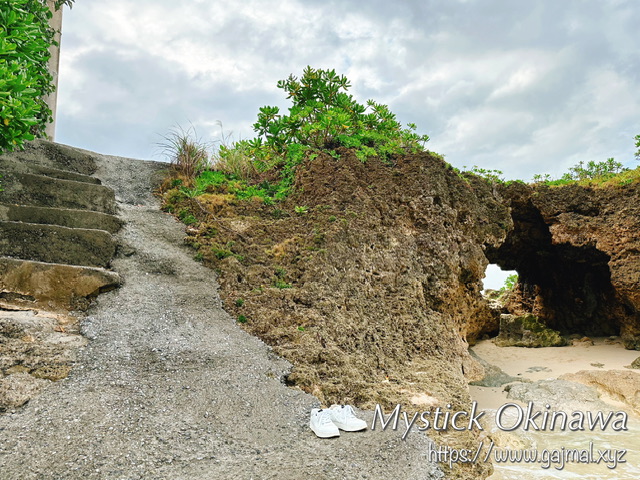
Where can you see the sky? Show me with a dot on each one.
(524, 87)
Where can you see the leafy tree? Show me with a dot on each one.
(638, 146)
(25, 38)
(322, 117)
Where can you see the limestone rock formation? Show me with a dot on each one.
(372, 291)
(526, 331)
(621, 385)
(558, 393)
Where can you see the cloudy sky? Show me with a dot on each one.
(520, 86)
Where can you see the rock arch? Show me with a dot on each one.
(577, 252)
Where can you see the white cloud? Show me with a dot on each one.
(525, 87)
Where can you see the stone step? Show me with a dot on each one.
(55, 244)
(55, 155)
(63, 217)
(30, 189)
(53, 287)
(18, 166)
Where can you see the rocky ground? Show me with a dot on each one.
(369, 284)
(169, 387)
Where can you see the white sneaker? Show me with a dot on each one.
(345, 419)
(322, 425)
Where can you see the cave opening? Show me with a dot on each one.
(568, 287)
(495, 277)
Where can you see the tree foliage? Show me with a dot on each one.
(25, 80)
(322, 117)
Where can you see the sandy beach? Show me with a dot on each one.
(536, 364)
(549, 362)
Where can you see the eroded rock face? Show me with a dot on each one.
(372, 291)
(367, 279)
(565, 393)
(577, 253)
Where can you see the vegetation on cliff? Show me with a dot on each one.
(363, 270)
(346, 246)
(322, 118)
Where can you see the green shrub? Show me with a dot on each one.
(25, 81)
(493, 176)
(509, 282)
(592, 171)
(322, 118)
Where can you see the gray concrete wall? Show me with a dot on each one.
(54, 66)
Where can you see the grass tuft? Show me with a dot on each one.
(188, 155)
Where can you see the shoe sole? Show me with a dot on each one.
(349, 429)
(330, 435)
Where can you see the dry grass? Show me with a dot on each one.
(235, 161)
(189, 156)
(233, 157)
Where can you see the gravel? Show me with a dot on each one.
(169, 387)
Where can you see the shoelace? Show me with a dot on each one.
(346, 412)
(349, 411)
(324, 417)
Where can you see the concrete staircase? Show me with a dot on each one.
(56, 229)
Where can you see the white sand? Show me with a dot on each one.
(545, 363)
